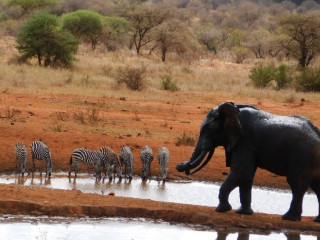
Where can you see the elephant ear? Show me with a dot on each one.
(231, 122)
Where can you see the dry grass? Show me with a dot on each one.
(93, 75)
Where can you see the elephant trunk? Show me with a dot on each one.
(197, 156)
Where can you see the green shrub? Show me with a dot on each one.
(282, 76)
(41, 37)
(131, 76)
(308, 80)
(261, 76)
(168, 84)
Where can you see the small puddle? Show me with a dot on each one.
(194, 192)
(25, 228)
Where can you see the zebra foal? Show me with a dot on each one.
(87, 157)
(21, 157)
(126, 158)
(163, 158)
(146, 157)
(41, 152)
(112, 163)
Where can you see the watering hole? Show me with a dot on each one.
(27, 227)
(189, 192)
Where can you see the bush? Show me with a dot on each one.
(131, 76)
(261, 76)
(282, 76)
(308, 80)
(186, 140)
(168, 84)
(42, 38)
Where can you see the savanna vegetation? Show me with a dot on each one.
(168, 45)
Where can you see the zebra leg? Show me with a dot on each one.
(41, 168)
(34, 165)
(98, 172)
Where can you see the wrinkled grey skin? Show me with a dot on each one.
(284, 145)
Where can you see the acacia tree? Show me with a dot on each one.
(42, 38)
(30, 5)
(143, 20)
(84, 24)
(172, 36)
(303, 36)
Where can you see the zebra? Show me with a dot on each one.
(163, 158)
(126, 158)
(21, 157)
(41, 152)
(112, 163)
(88, 157)
(146, 157)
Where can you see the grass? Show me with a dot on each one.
(93, 75)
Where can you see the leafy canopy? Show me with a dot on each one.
(42, 38)
(84, 24)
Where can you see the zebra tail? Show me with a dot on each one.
(71, 160)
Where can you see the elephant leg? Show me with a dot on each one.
(245, 198)
(299, 186)
(315, 186)
(226, 188)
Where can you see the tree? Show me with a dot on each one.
(172, 36)
(258, 42)
(303, 36)
(84, 24)
(41, 37)
(143, 20)
(115, 31)
(30, 5)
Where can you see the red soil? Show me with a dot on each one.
(135, 123)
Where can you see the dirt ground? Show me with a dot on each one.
(67, 122)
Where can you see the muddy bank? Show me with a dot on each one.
(15, 199)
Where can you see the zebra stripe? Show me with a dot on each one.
(163, 158)
(146, 157)
(41, 152)
(126, 158)
(87, 157)
(113, 164)
(21, 157)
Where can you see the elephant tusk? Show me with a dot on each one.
(196, 162)
(204, 163)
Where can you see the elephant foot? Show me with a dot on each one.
(317, 219)
(291, 217)
(247, 210)
(223, 207)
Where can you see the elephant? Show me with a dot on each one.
(284, 145)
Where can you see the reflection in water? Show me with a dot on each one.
(198, 193)
(245, 235)
(25, 228)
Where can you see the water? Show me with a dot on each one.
(195, 192)
(48, 228)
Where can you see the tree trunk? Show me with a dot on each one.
(39, 59)
(163, 57)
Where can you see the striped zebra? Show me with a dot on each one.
(88, 157)
(126, 158)
(163, 158)
(41, 152)
(146, 157)
(112, 164)
(21, 157)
